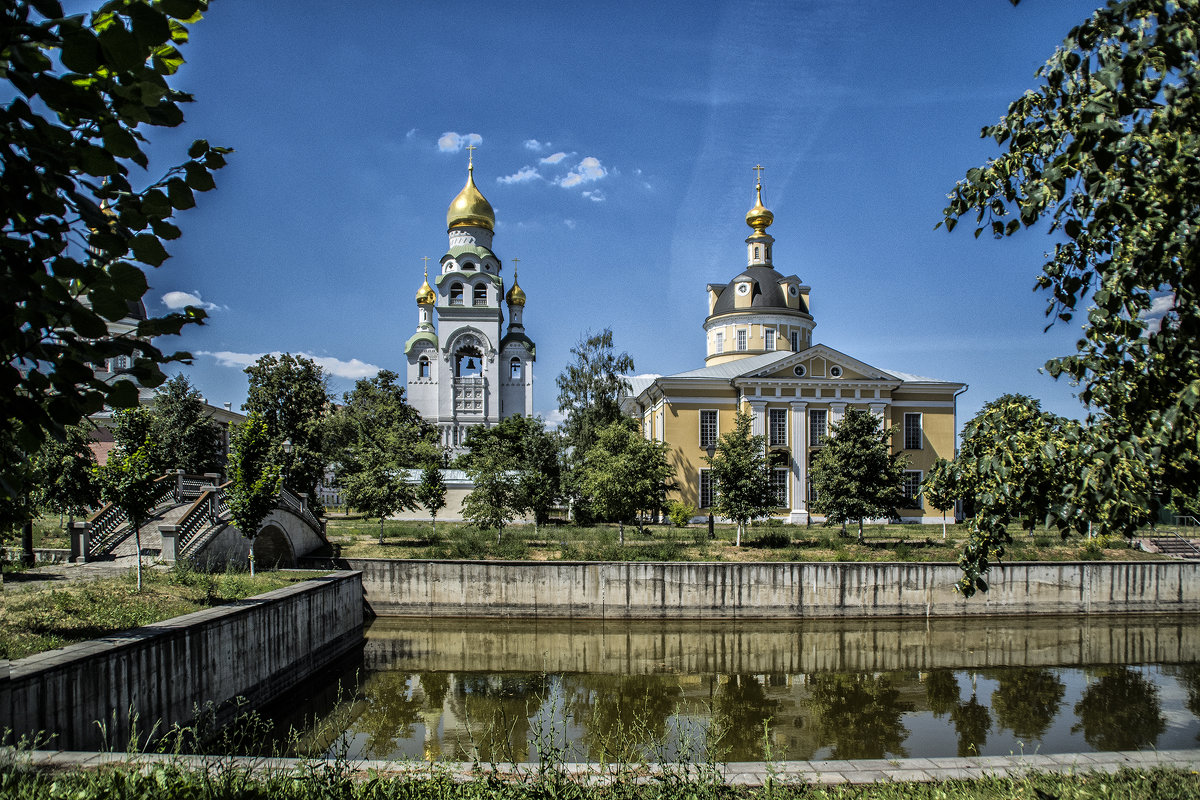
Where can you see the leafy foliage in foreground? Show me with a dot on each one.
(1105, 154)
(172, 782)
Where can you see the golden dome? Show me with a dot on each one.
(470, 207)
(759, 217)
(426, 295)
(516, 295)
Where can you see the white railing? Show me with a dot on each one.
(469, 394)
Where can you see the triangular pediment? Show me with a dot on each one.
(821, 362)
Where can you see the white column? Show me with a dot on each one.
(758, 409)
(836, 412)
(799, 461)
(878, 408)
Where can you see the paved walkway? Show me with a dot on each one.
(51, 575)
(737, 773)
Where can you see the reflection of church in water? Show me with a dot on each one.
(463, 368)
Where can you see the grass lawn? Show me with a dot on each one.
(37, 619)
(352, 537)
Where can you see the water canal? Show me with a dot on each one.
(506, 690)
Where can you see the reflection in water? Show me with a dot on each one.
(1026, 701)
(472, 690)
(1120, 711)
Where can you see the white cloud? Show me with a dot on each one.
(523, 175)
(595, 195)
(589, 169)
(535, 145)
(570, 223)
(336, 367)
(451, 142)
(554, 158)
(176, 301)
(554, 418)
(411, 133)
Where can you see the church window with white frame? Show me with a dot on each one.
(456, 294)
(423, 367)
(913, 437)
(706, 488)
(818, 422)
(479, 296)
(911, 486)
(741, 340)
(720, 342)
(779, 485)
(795, 341)
(777, 429)
(514, 367)
(708, 427)
(769, 336)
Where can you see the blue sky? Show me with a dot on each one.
(616, 142)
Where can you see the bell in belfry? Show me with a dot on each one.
(470, 363)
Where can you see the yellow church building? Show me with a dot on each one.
(761, 358)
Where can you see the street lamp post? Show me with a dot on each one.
(287, 459)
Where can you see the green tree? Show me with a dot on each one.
(83, 90)
(1102, 153)
(741, 477)
(1120, 711)
(254, 478)
(528, 454)
(1009, 467)
(862, 714)
(127, 481)
(972, 722)
(624, 473)
(186, 436)
(938, 491)
(431, 491)
(290, 394)
(856, 475)
(589, 394)
(64, 474)
(492, 503)
(381, 438)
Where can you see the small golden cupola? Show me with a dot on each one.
(425, 295)
(516, 295)
(760, 217)
(470, 208)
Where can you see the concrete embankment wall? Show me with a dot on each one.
(255, 649)
(612, 590)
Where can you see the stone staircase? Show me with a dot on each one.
(151, 540)
(1177, 547)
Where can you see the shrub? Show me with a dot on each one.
(775, 540)
(680, 513)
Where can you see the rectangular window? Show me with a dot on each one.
(779, 485)
(812, 492)
(912, 488)
(795, 341)
(741, 340)
(708, 427)
(720, 348)
(912, 431)
(769, 334)
(817, 430)
(706, 489)
(778, 427)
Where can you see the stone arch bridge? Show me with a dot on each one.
(191, 522)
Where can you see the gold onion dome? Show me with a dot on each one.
(516, 295)
(425, 295)
(759, 217)
(470, 208)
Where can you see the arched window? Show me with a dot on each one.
(515, 369)
(480, 296)
(423, 367)
(467, 266)
(456, 294)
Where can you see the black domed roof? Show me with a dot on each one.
(766, 292)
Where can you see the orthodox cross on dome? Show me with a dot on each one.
(515, 262)
(470, 157)
(426, 260)
(758, 169)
